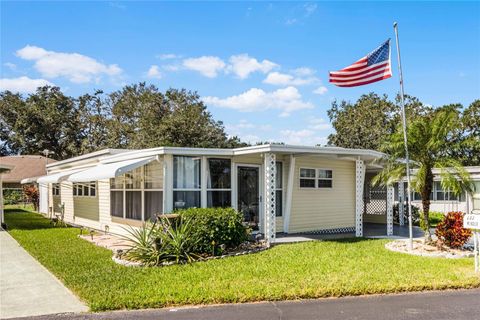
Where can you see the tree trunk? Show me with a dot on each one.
(425, 194)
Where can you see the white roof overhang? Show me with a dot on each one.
(57, 177)
(109, 170)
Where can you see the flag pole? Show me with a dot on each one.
(404, 121)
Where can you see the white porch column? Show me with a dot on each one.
(359, 184)
(288, 200)
(167, 183)
(269, 191)
(390, 191)
(401, 201)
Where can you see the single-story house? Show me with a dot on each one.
(444, 200)
(278, 188)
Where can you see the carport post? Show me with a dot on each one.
(269, 210)
(401, 199)
(359, 185)
(390, 191)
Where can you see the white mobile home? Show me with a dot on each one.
(278, 188)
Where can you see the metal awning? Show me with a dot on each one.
(109, 170)
(29, 180)
(57, 177)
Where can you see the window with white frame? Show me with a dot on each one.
(186, 182)
(85, 189)
(56, 189)
(219, 189)
(279, 189)
(138, 194)
(440, 194)
(476, 196)
(316, 178)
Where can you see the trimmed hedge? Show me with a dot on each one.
(215, 227)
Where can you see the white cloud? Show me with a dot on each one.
(209, 66)
(291, 21)
(320, 90)
(283, 79)
(73, 66)
(318, 124)
(23, 84)
(10, 66)
(301, 137)
(167, 56)
(310, 8)
(303, 72)
(243, 65)
(154, 72)
(286, 100)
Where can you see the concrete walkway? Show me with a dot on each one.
(27, 288)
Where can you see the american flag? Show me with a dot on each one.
(371, 68)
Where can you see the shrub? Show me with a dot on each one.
(450, 230)
(32, 195)
(415, 214)
(145, 245)
(215, 228)
(12, 196)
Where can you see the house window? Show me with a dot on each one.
(186, 182)
(219, 192)
(86, 189)
(307, 178)
(56, 189)
(279, 190)
(476, 196)
(325, 178)
(316, 178)
(138, 194)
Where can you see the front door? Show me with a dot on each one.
(248, 194)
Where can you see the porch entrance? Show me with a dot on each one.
(248, 194)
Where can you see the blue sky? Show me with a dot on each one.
(261, 67)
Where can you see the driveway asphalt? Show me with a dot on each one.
(27, 288)
(439, 305)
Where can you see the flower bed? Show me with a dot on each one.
(427, 250)
(243, 249)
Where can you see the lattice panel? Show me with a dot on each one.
(390, 199)
(401, 200)
(270, 183)
(359, 205)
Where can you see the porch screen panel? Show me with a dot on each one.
(219, 176)
(186, 182)
(133, 205)
(153, 204)
(116, 203)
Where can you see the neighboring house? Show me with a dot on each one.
(444, 200)
(4, 169)
(26, 166)
(26, 169)
(279, 188)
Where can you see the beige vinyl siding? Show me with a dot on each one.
(319, 209)
(66, 192)
(86, 207)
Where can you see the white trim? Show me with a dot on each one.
(288, 200)
(203, 182)
(316, 178)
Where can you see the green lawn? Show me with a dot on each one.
(303, 270)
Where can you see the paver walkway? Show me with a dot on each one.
(27, 288)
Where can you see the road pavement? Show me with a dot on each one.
(438, 305)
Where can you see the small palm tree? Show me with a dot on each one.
(429, 142)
